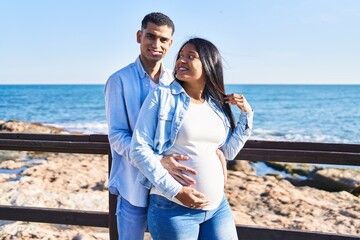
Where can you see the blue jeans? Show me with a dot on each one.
(131, 220)
(168, 220)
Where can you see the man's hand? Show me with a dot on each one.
(178, 170)
(192, 198)
(222, 159)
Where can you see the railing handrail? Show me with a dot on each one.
(315, 146)
(254, 150)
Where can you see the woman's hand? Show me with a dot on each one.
(238, 100)
(192, 198)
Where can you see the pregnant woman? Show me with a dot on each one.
(192, 117)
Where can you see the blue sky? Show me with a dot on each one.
(261, 41)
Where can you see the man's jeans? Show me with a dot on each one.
(168, 220)
(131, 220)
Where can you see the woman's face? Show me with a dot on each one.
(188, 66)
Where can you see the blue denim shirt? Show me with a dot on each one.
(159, 122)
(125, 91)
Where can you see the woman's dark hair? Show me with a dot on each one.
(212, 64)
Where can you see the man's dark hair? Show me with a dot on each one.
(158, 19)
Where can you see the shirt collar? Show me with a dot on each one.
(142, 71)
(140, 68)
(176, 88)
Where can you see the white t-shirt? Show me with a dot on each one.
(200, 135)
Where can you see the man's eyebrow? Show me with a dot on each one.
(154, 35)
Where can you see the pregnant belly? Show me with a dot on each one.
(209, 179)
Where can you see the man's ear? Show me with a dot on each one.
(138, 36)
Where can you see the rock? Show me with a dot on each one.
(19, 126)
(8, 155)
(293, 168)
(266, 201)
(11, 164)
(328, 179)
(21, 230)
(334, 180)
(240, 165)
(51, 180)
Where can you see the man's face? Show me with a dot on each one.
(154, 42)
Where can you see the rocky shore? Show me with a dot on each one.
(79, 181)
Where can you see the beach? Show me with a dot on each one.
(79, 181)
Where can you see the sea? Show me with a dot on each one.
(306, 113)
(302, 113)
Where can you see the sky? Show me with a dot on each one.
(261, 41)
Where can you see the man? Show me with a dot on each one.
(125, 92)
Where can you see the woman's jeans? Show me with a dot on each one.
(168, 220)
(131, 220)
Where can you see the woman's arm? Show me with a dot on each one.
(241, 133)
(143, 150)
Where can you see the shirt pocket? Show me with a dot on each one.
(163, 132)
(166, 115)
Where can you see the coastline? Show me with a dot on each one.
(62, 180)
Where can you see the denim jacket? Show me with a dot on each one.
(125, 91)
(155, 132)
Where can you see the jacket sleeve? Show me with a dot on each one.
(238, 136)
(119, 131)
(143, 152)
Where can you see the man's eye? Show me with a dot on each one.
(191, 57)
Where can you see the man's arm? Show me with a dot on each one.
(117, 117)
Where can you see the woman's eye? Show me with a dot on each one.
(187, 57)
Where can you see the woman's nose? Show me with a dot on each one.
(182, 59)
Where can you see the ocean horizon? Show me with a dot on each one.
(293, 112)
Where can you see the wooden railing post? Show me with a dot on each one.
(113, 232)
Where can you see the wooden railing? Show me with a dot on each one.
(321, 153)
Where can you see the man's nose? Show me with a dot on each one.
(156, 43)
